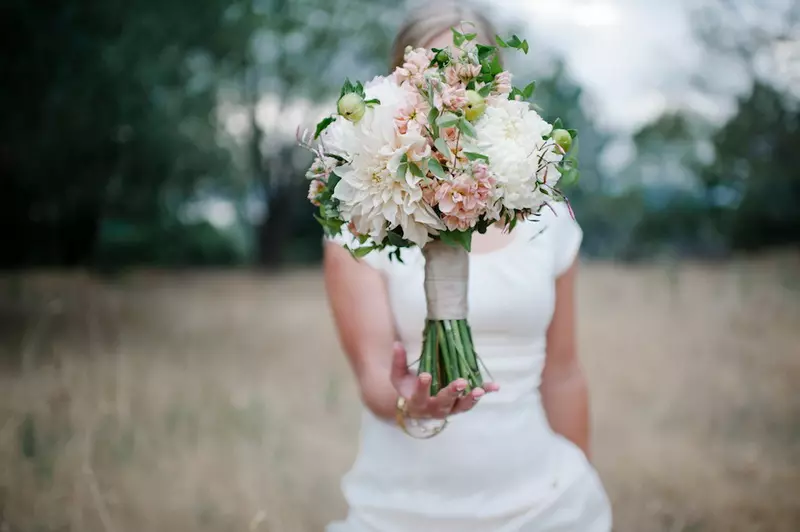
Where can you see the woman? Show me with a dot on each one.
(510, 460)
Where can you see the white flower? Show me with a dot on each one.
(510, 134)
(370, 193)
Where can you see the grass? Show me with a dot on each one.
(221, 401)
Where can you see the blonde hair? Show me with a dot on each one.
(435, 18)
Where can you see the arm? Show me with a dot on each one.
(363, 317)
(564, 390)
(360, 306)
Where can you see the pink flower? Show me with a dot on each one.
(451, 75)
(461, 73)
(466, 198)
(416, 64)
(415, 111)
(321, 168)
(316, 188)
(502, 83)
(453, 97)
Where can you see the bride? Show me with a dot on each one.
(510, 457)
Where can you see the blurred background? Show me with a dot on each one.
(167, 360)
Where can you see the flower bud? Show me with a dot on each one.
(351, 106)
(475, 107)
(562, 138)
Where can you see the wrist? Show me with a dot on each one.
(380, 400)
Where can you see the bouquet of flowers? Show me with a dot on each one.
(441, 148)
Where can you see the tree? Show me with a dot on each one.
(108, 107)
(302, 54)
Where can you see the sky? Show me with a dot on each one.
(635, 58)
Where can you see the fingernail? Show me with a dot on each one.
(460, 386)
(425, 378)
(478, 393)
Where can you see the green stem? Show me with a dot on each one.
(463, 370)
(472, 357)
(435, 367)
(445, 354)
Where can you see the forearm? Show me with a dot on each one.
(566, 403)
(376, 390)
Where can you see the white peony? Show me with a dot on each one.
(370, 193)
(510, 134)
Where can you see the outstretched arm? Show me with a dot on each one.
(363, 317)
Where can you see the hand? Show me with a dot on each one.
(416, 390)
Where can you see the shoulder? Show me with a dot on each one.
(562, 233)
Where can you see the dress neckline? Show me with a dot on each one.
(515, 238)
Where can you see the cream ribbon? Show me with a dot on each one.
(446, 281)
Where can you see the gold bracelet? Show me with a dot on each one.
(401, 415)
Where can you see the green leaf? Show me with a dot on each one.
(397, 240)
(472, 156)
(333, 180)
(524, 46)
(373, 101)
(466, 128)
(573, 133)
(441, 145)
(416, 171)
(457, 238)
(495, 66)
(324, 123)
(485, 51)
(429, 94)
(337, 157)
(500, 42)
(432, 116)
(528, 91)
(359, 89)
(402, 170)
(363, 251)
(458, 37)
(569, 178)
(470, 36)
(558, 124)
(436, 168)
(447, 120)
(347, 87)
(485, 90)
(514, 42)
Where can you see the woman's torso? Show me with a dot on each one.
(502, 458)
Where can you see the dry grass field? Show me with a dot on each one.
(221, 401)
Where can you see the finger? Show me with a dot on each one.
(491, 387)
(465, 404)
(446, 398)
(399, 363)
(422, 394)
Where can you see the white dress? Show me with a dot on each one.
(500, 467)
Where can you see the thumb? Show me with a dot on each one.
(399, 362)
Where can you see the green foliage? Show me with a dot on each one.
(323, 124)
(457, 239)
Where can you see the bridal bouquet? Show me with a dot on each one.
(443, 147)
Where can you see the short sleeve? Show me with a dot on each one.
(567, 236)
(375, 259)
